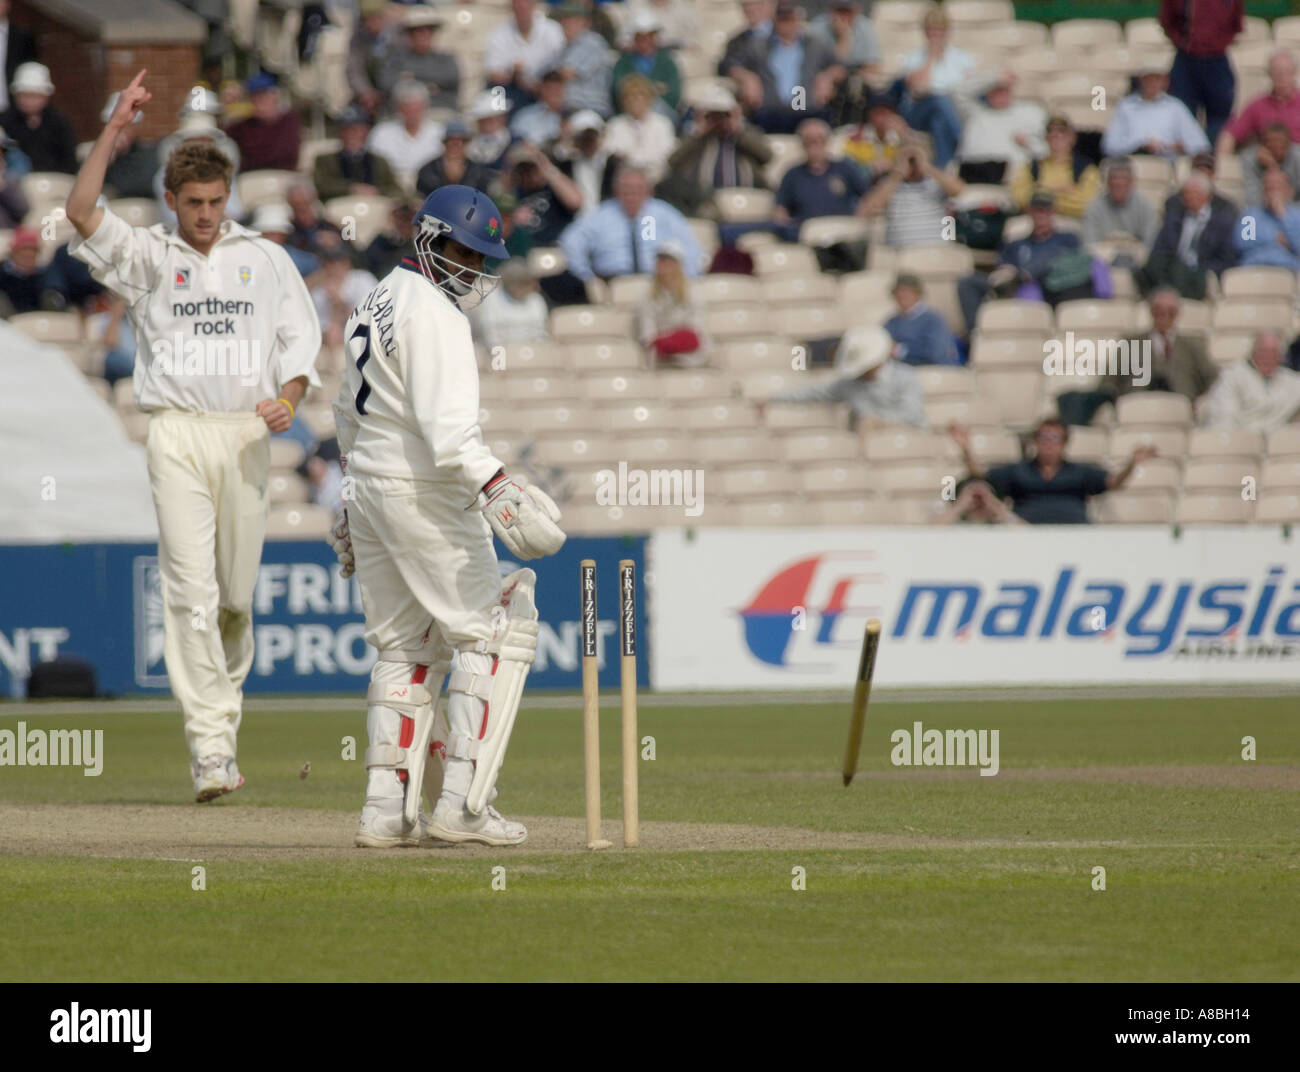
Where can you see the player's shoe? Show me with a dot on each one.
(383, 826)
(214, 776)
(456, 824)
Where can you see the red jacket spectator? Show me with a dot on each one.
(1201, 27)
(271, 136)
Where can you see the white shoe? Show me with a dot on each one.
(383, 826)
(214, 776)
(456, 824)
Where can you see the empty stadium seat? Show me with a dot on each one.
(619, 387)
(1095, 316)
(579, 323)
(1138, 508)
(788, 511)
(1014, 317)
(642, 449)
(815, 288)
(1253, 316)
(725, 288)
(809, 416)
(993, 446)
(53, 328)
(850, 478)
(840, 509)
(298, 521)
(1285, 442)
(524, 388)
(360, 218)
(1229, 347)
(994, 351)
(820, 446)
(552, 417)
(715, 415)
(1258, 282)
(1154, 407)
(1073, 36)
(760, 386)
(1169, 442)
(1155, 474)
(754, 481)
(944, 260)
(748, 354)
(827, 230)
(902, 444)
(740, 204)
(784, 258)
(945, 381)
(911, 479)
(137, 211)
(1210, 509)
(631, 291)
(725, 448)
(1280, 474)
(1280, 508)
(567, 450)
(1227, 443)
(46, 187)
(546, 261)
(736, 321)
(1223, 477)
(976, 410)
(693, 385)
(1015, 394)
(641, 416)
(263, 187)
(287, 487)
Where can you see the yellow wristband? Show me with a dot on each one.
(289, 404)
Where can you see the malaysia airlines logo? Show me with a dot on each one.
(181, 279)
(808, 599)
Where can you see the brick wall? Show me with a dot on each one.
(85, 71)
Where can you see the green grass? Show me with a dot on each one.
(1201, 882)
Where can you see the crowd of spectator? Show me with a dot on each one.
(588, 139)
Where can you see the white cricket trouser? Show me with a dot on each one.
(429, 583)
(209, 476)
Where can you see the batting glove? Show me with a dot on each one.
(524, 518)
(341, 541)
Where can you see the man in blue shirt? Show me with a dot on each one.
(819, 186)
(786, 76)
(1273, 226)
(921, 335)
(621, 237)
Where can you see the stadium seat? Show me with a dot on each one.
(546, 261)
(1281, 508)
(760, 386)
(827, 230)
(819, 320)
(1211, 509)
(787, 150)
(753, 240)
(1280, 474)
(629, 292)
(1222, 477)
(776, 512)
(975, 410)
(724, 288)
(553, 388)
(1155, 474)
(361, 219)
(1229, 347)
(1259, 282)
(1154, 407)
(902, 444)
(749, 354)
(521, 357)
(298, 521)
(1137, 508)
(966, 14)
(549, 418)
(263, 187)
(643, 450)
(754, 481)
(714, 416)
(820, 446)
(867, 291)
(993, 446)
(1286, 32)
(1096, 316)
(851, 509)
(1019, 36)
(784, 258)
(726, 448)
(53, 328)
(1285, 442)
(995, 351)
(1253, 316)
(137, 211)
(1073, 36)
(1089, 445)
(580, 323)
(1014, 317)
(1227, 443)
(815, 288)
(287, 487)
(706, 234)
(833, 478)
(945, 381)
(640, 416)
(1145, 32)
(736, 321)
(693, 385)
(911, 479)
(815, 416)
(571, 450)
(46, 187)
(1169, 442)
(740, 204)
(945, 260)
(313, 148)
(1015, 394)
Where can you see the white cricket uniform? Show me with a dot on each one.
(408, 426)
(216, 335)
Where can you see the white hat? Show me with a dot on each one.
(197, 123)
(107, 113)
(863, 349)
(32, 78)
(645, 22)
(272, 218)
(419, 15)
(713, 98)
(585, 120)
(486, 105)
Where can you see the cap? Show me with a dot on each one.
(352, 116)
(418, 15)
(1147, 67)
(585, 120)
(863, 349)
(455, 129)
(32, 77)
(272, 218)
(25, 237)
(1043, 199)
(261, 82)
(107, 113)
(645, 22)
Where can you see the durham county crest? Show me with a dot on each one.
(245, 274)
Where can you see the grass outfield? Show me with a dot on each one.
(911, 874)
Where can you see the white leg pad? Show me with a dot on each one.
(514, 649)
(414, 704)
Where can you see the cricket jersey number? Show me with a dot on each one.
(363, 333)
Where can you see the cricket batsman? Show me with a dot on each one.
(228, 339)
(426, 496)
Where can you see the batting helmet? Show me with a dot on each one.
(465, 215)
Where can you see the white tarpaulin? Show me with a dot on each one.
(69, 471)
(980, 605)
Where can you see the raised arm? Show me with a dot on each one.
(83, 212)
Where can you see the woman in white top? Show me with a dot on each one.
(668, 321)
(642, 136)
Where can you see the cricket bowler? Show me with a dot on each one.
(227, 344)
(427, 496)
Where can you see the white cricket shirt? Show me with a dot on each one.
(408, 404)
(213, 334)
